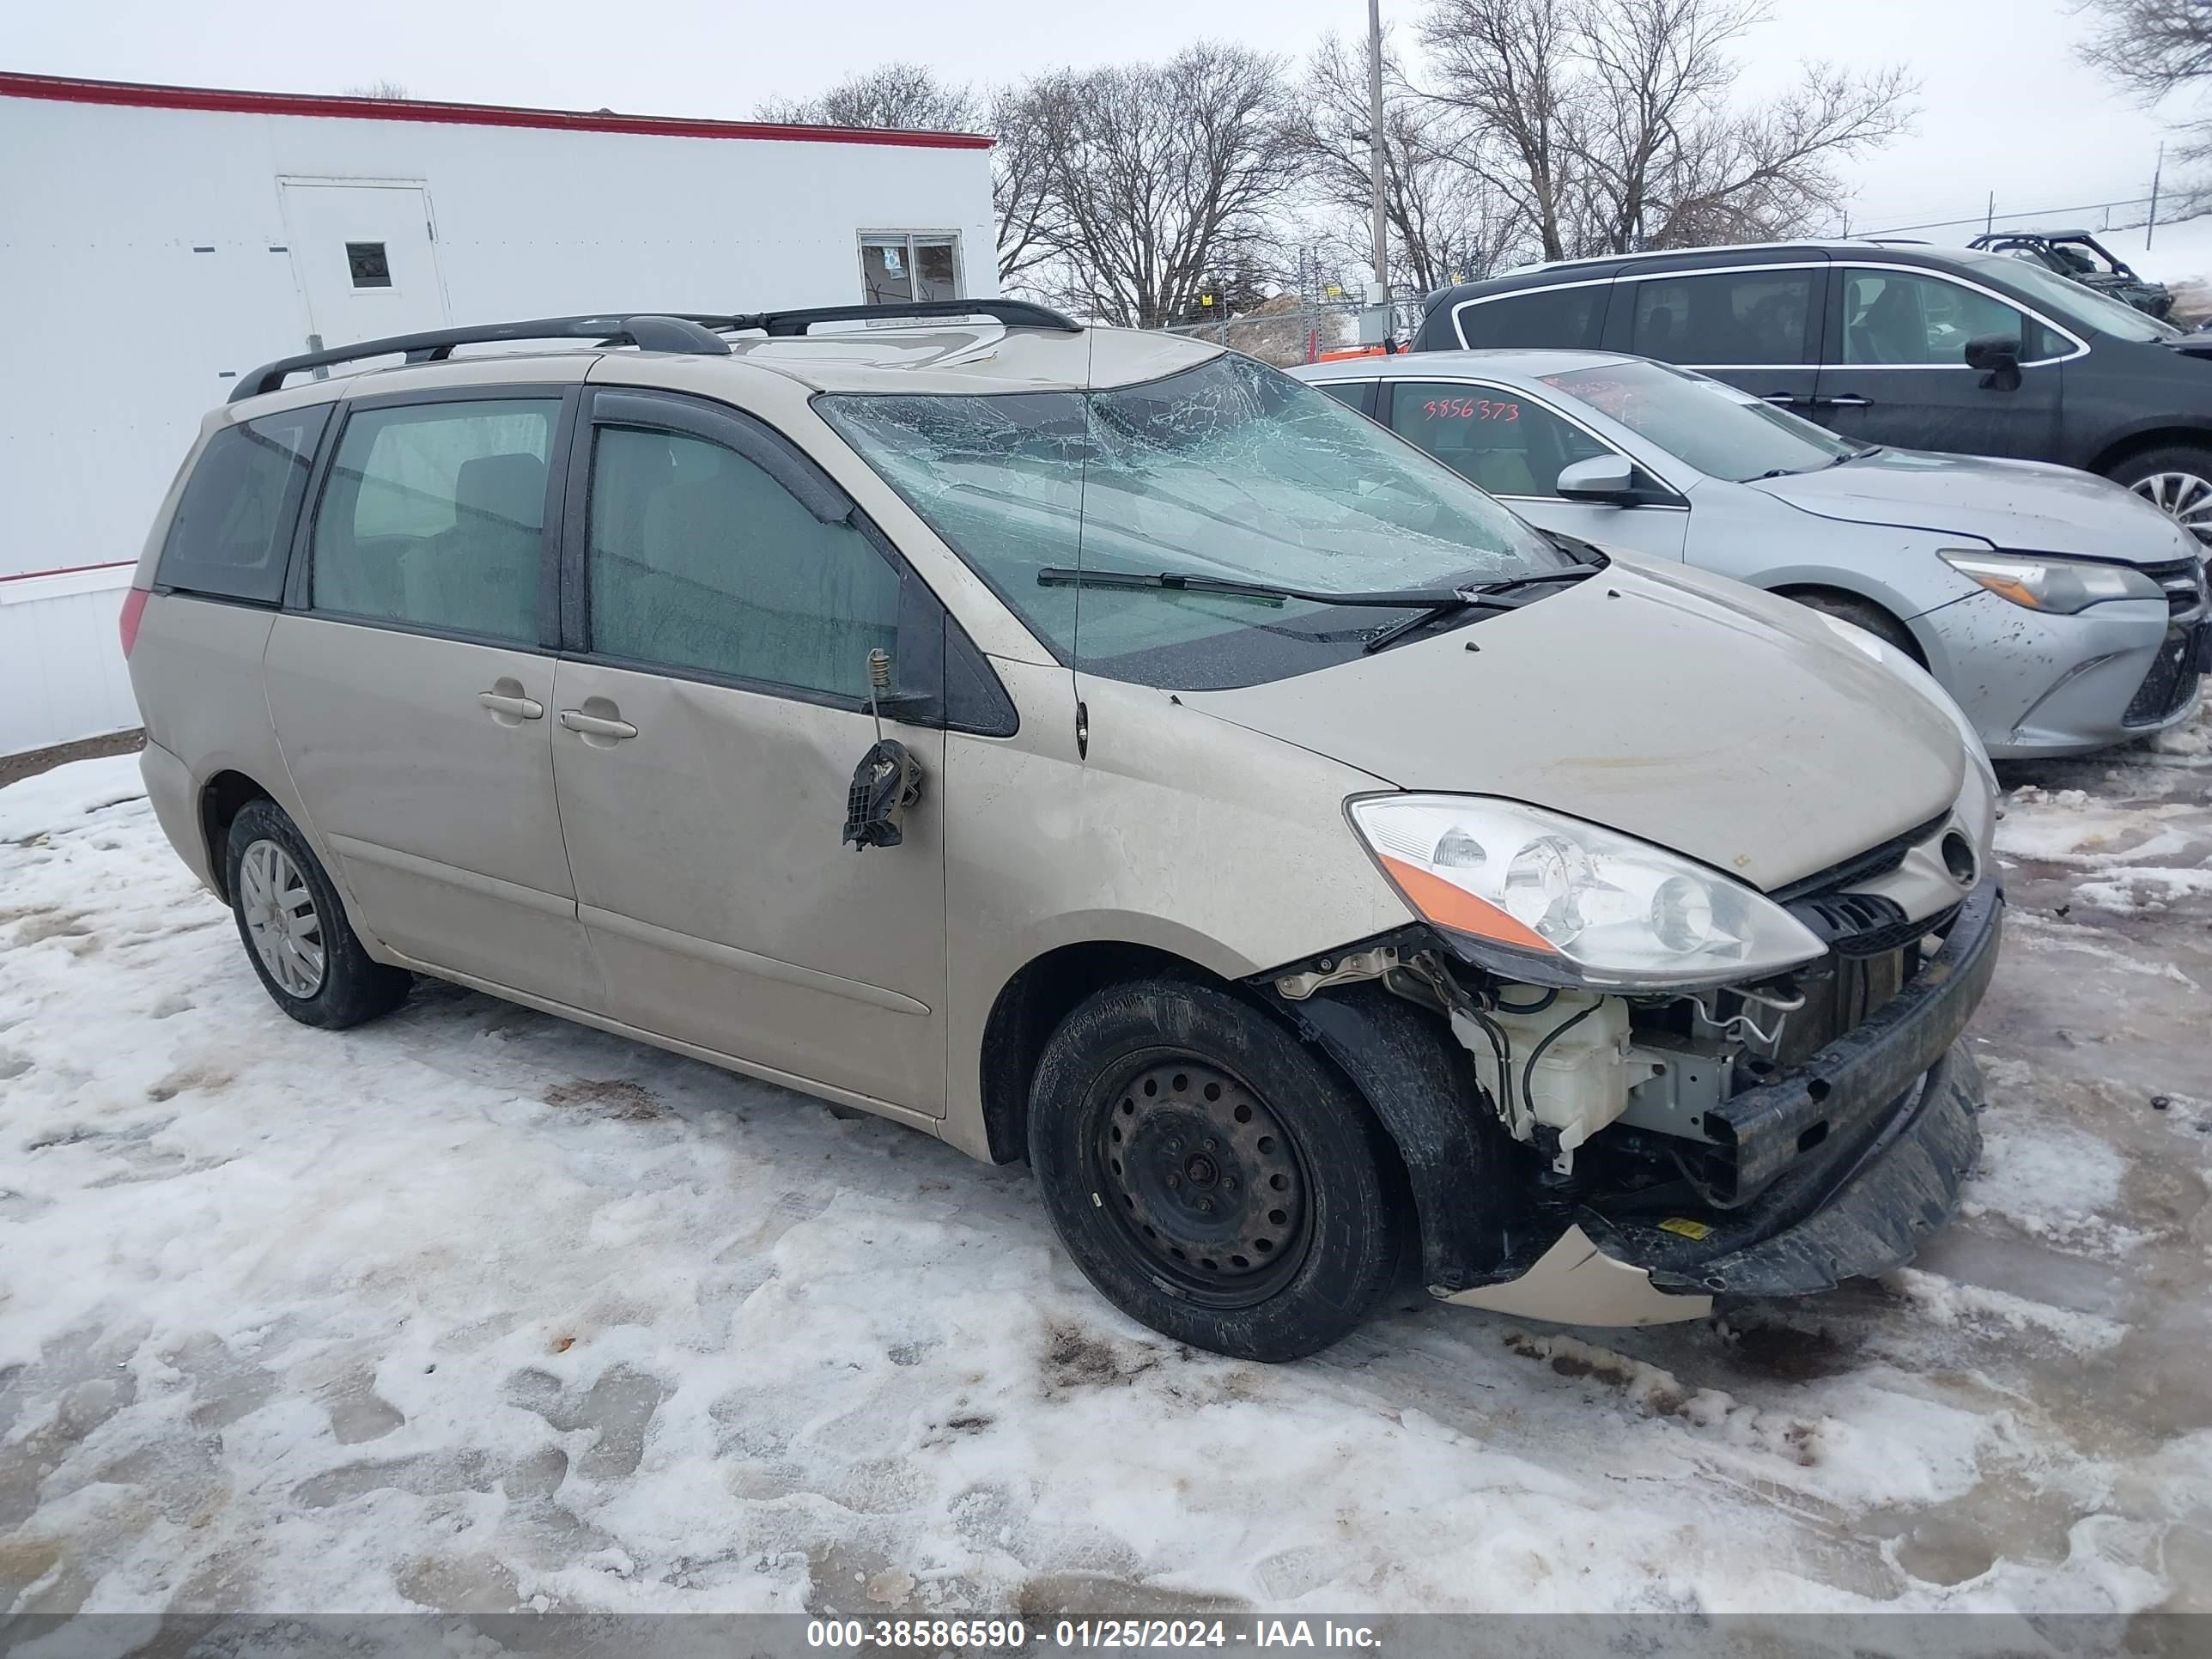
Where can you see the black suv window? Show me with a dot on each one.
(701, 559)
(233, 522)
(1561, 317)
(1918, 317)
(435, 515)
(1754, 317)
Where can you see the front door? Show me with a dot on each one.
(412, 695)
(365, 256)
(1514, 447)
(1894, 369)
(708, 719)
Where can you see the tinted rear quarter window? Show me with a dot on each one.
(233, 522)
(1561, 317)
(1751, 318)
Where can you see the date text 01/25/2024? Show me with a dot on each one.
(1012, 1635)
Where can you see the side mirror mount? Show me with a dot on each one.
(888, 780)
(1606, 479)
(1997, 357)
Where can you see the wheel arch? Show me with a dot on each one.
(1881, 599)
(1029, 1007)
(222, 797)
(2149, 435)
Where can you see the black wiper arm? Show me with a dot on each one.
(1572, 573)
(1224, 588)
(1485, 596)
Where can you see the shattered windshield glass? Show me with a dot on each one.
(1229, 469)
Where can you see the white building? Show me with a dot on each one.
(158, 242)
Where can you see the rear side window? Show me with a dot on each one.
(1748, 319)
(1541, 317)
(700, 560)
(233, 522)
(435, 516)
(1490, 435)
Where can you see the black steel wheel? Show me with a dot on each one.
(1207, 1181)
(1212, 1176)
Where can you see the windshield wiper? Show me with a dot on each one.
(1856, 454)
(1480, 596)
(1224, 588)
(1432, 603)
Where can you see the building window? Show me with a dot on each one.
(919, 266)
(368, 265)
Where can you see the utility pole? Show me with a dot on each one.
(2157, 167)
(1375, 326)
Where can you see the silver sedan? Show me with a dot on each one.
(2060, 612)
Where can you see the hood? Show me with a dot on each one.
(1729, 726)
(2026, 506)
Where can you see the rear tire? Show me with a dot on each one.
(1861, 613)
(1211, 1176)
(294, 929)
(2177, 479)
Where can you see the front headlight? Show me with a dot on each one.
(2060, 586)
(1553, 901)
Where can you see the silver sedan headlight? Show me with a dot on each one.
(1551, 900)
(2042, 583)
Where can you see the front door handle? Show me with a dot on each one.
(1849, 400)
(1786, 399)
(597, 725)
(512, 704)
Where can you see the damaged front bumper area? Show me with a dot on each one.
(1838, 1165)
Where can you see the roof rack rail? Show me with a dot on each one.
(646, 330)
(1014, 313)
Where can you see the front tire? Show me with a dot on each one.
(295, 930)
(1211, 1176)
(2176, 480)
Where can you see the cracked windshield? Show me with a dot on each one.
(1227, 470)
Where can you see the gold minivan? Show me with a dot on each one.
(1098, 748)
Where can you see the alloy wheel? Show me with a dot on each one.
(1204, 1180)
(279, 907)
(2185, 497)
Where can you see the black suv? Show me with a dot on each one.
(1918, 347)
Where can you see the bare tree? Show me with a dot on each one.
(2151, 47)
(1443, 216)
(390, 91)
(1164, 174)
(1610, 124)
(906, 96)
(2154, 47)
(1507, 67)
(1028, 121)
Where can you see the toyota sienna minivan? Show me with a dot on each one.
(1097, 749)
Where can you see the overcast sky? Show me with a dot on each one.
(2004, 105)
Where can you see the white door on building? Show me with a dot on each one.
(366, 256)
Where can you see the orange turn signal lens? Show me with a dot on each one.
(1454, 907)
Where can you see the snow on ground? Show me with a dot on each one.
(474, 1310)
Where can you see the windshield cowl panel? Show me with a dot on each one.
(1229, 470)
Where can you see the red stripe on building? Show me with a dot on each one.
(60, 88)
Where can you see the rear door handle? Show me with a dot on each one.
(596, 726)
(1787, 400)
(1849, 400)
(520, 708)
